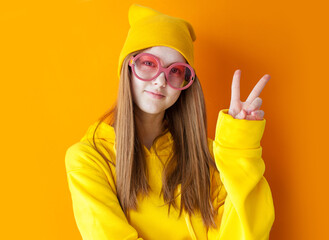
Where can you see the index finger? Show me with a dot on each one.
(258, 88)
(235, 91)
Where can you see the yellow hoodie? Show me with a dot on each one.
(240, 193)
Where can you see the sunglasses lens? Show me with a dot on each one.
(146, 67)
(179, 76)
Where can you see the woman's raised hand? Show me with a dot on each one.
(250, 109)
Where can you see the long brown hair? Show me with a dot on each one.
(189, 163)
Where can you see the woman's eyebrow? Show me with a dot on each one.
(166, 65)
(171, 63)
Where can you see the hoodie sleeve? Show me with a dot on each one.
(96, 208)
(248, 210)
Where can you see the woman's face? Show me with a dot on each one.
(144, 91)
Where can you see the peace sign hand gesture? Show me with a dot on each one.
(250, 108)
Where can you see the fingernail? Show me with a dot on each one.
(238, 116)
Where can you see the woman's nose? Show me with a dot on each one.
(160, 80)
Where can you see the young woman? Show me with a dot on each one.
(146, 169)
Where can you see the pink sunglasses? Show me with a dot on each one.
(147, 67)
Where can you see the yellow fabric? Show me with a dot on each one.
(240, 193)
(149, 27)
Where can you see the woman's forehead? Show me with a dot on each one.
(166, 55)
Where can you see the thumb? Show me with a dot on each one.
(241, 114)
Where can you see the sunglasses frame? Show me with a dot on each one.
(161, 69)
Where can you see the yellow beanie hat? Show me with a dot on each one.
(149, 28)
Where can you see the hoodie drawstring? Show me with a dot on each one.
(189, 226)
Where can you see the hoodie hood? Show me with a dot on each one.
(107, 133)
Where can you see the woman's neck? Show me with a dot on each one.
(149, 126)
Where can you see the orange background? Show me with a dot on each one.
(58, 75)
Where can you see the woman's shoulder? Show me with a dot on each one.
(94, 149)
(100, 131)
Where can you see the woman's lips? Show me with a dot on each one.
(155, 95)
